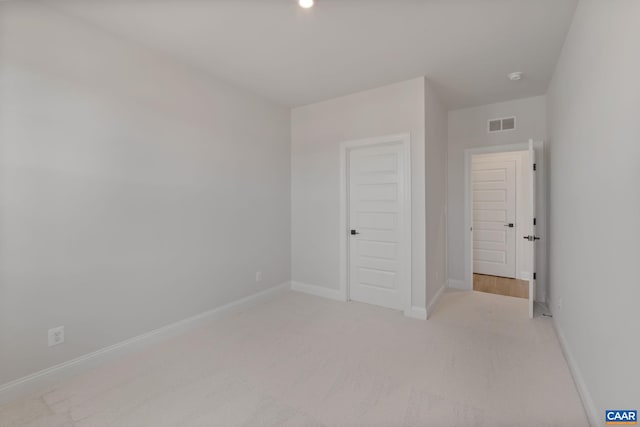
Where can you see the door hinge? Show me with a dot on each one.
(534, 221)
(535, 167)
(534, 276)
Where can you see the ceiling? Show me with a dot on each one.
(296, 56)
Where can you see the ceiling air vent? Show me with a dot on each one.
(501, 125)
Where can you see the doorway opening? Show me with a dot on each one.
(500, 187)
(503, 210)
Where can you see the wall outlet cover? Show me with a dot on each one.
(56, 336)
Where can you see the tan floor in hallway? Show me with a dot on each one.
(300, 360)
(501, 286)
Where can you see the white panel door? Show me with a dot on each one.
(378, 267)
(494, 214)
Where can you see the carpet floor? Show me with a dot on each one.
(299, 360)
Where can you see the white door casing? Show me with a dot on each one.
(378, 196)
(494, 217)
(532, 217)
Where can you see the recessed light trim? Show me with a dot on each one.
(306, 4)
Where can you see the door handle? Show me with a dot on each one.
(354, 232)
(531, 238)
(510, 225)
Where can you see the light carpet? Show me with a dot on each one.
(300, 360)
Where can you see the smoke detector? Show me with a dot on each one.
(515, 76)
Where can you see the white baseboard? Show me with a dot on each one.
(594, 416)
(416, 313)
(434, 301)
(50, 376)
(457, 284)
(335, 294)
(319, 291)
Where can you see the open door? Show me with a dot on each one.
(533, 237)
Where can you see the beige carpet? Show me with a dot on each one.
(305, 361)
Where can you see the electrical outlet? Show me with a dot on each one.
(258, 276)
(56, 336)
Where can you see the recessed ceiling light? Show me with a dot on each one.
(514, 77)
(305, 3)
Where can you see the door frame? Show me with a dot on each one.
(346, 147)
(541, 197)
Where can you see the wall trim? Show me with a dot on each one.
(434, 302)
(457, 284)
(336, 295)
(319, 291)
(593, 415)
(414, 312)
(54, 374)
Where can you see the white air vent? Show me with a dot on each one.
(501, 125)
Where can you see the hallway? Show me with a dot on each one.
(501, 286)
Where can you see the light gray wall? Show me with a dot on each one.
(317, 131)
(436, 191)
(468, 129)
(134, 192)
(594, 126)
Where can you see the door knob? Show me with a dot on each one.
(354, 232)
(510, 225)
(531, 238)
